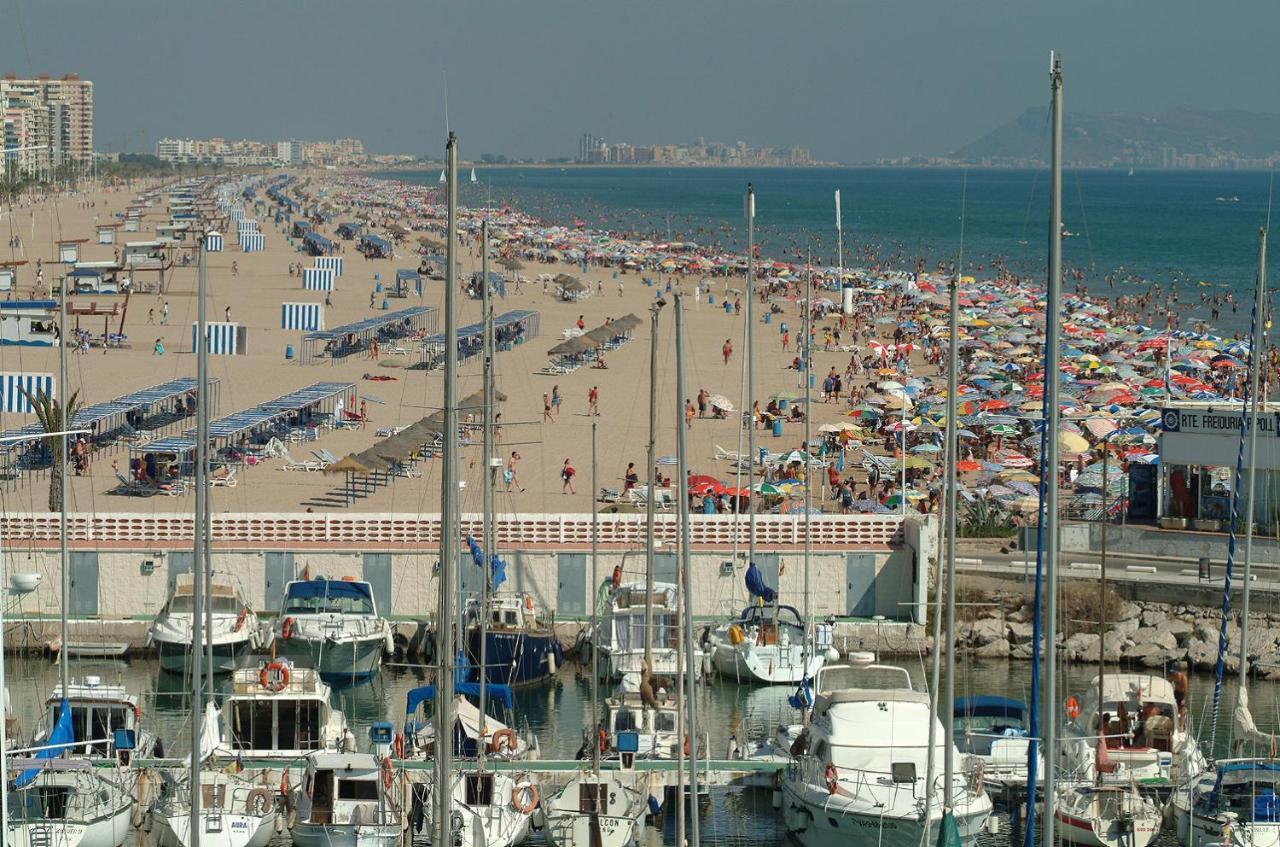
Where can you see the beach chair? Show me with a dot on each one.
(224, 477)
(325, 456)
(131, 488)
(292, 464)
(728, 455)
(172, 489)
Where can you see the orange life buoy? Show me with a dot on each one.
(274, 676)
(286, 629)
(528, 603)
(504, 740)
(531, 797)
(399, 745)
(686, 744)
(604, 741)
(284, 782)
(388, 773)
(617, 575)
(832, 777)
(137, 714)
(1073, 708)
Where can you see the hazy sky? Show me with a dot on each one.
(850, 79)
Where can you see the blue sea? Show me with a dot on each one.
(1154, 227)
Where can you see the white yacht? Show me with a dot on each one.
(766, 645)
(996, 731)
(1148, 740)
(491, 808)
(863, 776)
(1090, 815)
(279, 712)
(234, 812)
(235, 626)
(66, 803)
(98, 712)
(604, 809)
(333, 625)
(1236, 804)
(346, 800)
(620, 635)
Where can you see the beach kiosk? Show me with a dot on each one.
(69, 250)
(404, 279)
(28, 323)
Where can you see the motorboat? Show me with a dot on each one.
(498, 738)
(620, 634)
(766, 645)
(643, 730)
(1091, 815)
(234, 626)
(603, 809)
(333, 625)
(100, 712)
(66, 803)
(520, 644)
(1148, 737)
(279, 712)
(234, 812)
(1237, 803)
(490, 808)
(347, 800)
(862, 775)
(996, 731)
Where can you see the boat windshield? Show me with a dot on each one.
(320, 597)
(841, 677)
(183, 604)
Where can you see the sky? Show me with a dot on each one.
(852, 80)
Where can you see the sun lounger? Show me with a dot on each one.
(224, 477)
(292, 464)
(131, 488)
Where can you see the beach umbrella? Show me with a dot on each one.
(918, 462)
(1073, 443)
(784, 395)
(926, 448)
(720, 402)
(965, 465)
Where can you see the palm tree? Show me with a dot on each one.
(49, 412)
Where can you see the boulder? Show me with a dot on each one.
(1151, 635)
(986, 630)
(1083, 646)
(1152, 655)
(1026, 651)
(1153, 617)
(997, 648)
(1113, 646)
(1202, 654)
(1020, 632)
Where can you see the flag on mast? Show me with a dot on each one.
(837, 209)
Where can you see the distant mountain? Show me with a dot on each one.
(1182, 137)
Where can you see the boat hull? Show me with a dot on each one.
(576, 829)
(1201, 831)
(235, 830)
(176, 658)
(815, 822)
(1086, 833)
(345, 662)
(765, 665)
(339, 835)
(516, 658)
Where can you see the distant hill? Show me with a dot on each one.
(1161, 139)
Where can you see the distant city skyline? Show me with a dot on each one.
(851, 82)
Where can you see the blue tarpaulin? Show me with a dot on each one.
(499, 575)
(495, 692)
(756, 586)
(328, 588)
(63, 734)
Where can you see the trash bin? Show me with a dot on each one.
(711, 299)
(377, 288)
(728, 308)
(1205, 568)
(777, 427)
(288, 351)
(782, 404)
(768, 317)
(782, 327)
(386, 304)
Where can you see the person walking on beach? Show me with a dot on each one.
(546, 408)
(786, 340)
(555, 400)
(158, 349)
(593, 402)
(164, 314)
(151, 315)
(235, 269)
(688, 414)
(703, 397)
(582, 325)
(631, 478)
(509, 474)
(727, 350)
(566, 476)
(226, 314)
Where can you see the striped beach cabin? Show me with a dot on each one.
(333, 263)
(13, 383)
(254, 242)
(224, 339)
(213, 242)
(304, 316)
(318, 279)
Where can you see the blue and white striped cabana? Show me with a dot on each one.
(333, 263)
(305, 316)
(213, 242)
(222, 338)
(318, 279)
(12, 385)
(253, 243)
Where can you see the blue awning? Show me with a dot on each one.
(989, 706)
(313, 588)
(494, 691)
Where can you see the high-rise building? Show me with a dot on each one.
(52, 115)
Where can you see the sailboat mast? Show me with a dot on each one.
(593, 739)
(686, 571)
(751, 377)
(201, 514)
(448, 518)
(486, 533)
(809, 647)
(651, 478)
(952, 485)
(1053, 295)
(1256, 351)
(64, 657)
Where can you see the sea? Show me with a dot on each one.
(1196, 231)
(558, 712)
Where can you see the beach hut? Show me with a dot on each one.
(9, 274)
(304, 316)
(13, 384)
(333, 263)
(405, 277)
(315, 244)
(107, 233)
(222, 338)
(253, 243)
(213, 242)
(300, 229)
(28, 323)
(317, 279)
(69, 250)
(374, 247)
(131, 223)
(348, 231)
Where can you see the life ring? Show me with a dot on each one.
(503, 741)
(528, 603)
(286, 629)
(1073, 708)
(531, 794)
(274, 676)
(832, 777)
(736, 636)
(257, 802)
(604, 741)
(284, 783)
(399, 745)
(388, 773)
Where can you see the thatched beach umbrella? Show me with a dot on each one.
(512, 264)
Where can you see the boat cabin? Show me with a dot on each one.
(280, 711)
(639, 729)
(420, 708)
(1247, 788)
(981, 721)
(98, 712)
(1137, 712)
(768, 624)
(345, 789)
(328, 597)
(627, 613)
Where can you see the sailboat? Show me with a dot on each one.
(210, 807)
(441, 179)
(597, 808)
(1238, 801)
(473, 176)
(768, 643)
